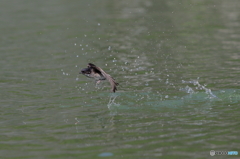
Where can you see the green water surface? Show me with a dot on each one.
(177, 62)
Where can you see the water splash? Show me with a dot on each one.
(112, 102)
(112, 105)
(188, 89)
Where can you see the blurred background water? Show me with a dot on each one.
(177, 63)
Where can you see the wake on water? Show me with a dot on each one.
(197, 94)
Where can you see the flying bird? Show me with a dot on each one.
(92, 71)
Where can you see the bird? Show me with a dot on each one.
(92, 71)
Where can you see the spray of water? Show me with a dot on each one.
(112, 106)
(198, 87)
(111, 102)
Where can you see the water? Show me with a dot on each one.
(177, 64)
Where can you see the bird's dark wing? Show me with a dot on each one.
(107, 76)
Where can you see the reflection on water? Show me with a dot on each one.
(154, 49)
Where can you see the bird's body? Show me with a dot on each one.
(92, 71)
